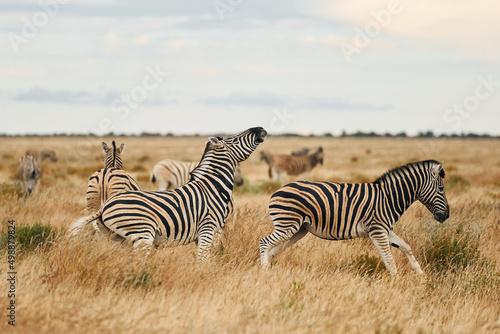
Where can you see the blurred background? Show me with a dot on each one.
(207, 66)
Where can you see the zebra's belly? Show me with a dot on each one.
(171, 240)
(336, 231)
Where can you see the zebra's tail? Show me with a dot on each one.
(77, 226)
(153, 177)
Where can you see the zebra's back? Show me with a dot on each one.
(329, 210)
(106, 183)
(172, 173)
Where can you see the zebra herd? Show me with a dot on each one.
(197, 209)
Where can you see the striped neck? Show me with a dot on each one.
(400, 187)
(113, 158)
(216, 172)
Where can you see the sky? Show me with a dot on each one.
(221, 66)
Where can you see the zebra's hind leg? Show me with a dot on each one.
(204, 243)
(143, 244)
(279, 240)
(396, 241)
(380, 239)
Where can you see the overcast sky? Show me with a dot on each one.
(207, 66)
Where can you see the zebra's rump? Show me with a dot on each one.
(161, 214)
(106, 183)
(328, 210)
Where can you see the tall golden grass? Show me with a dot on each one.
(93, 285)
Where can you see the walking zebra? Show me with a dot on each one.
(109, 181)
(339, 211)
(282, 165)
(29, 173)
(173, 174)
(193, 212)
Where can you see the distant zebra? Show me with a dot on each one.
(29, 173)
(109, 181)
(282, 165)
(265, 156)
(193, 212)
(172, 174)
(43, 155)
(339, 211)
(304, 151)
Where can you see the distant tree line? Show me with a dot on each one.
(360, 134)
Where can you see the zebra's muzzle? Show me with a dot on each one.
(260, 133)
(442, 216)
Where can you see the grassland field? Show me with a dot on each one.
(94, 285)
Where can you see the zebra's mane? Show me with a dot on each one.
(406, 167)
(199, 166)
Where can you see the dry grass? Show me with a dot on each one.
(86, 285)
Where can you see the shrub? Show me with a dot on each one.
(290, 296)
(451, 249)
(456, 183)
(31, 237)
(143, 280)
(368, 265)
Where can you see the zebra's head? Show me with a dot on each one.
(432, 193)
(113, 158)
(240, 146)
(320, 155)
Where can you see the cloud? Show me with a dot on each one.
(39, 94)
(272, 100)
(260, 99)
(335, 104)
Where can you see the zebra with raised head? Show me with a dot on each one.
(193, 212)
(282, 165)
(339, 211)
(29, 173)
(109, 181)
(172, 174)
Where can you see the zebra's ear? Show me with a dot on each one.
(438, 169)
(104, 147)
(215, 141)
(122, 147)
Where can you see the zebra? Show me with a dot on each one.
(282, 165)
(173, 174)
(339, 211)
(29, 173)
(193, 212)
(109, 181)
(304, 151)
(265, 156)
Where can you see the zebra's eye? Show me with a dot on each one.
(236, 141)
(441, 188)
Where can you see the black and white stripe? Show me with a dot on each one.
(170, 174)
(109, 181)
(338, 211)
(193, 212)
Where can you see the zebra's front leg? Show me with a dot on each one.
(380, 239)
(396, 241)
